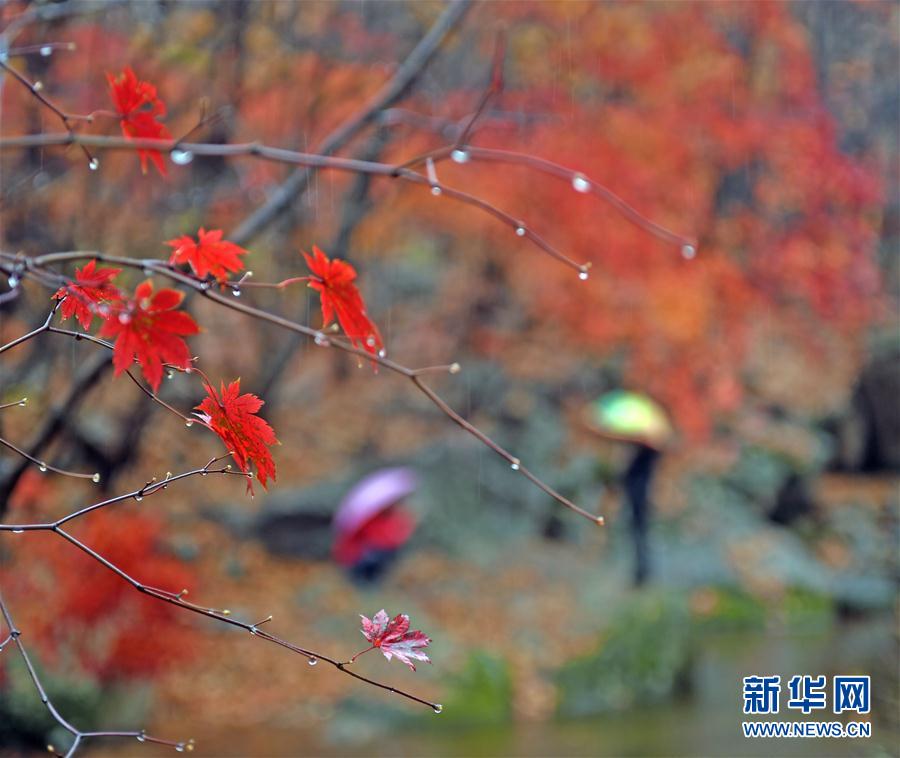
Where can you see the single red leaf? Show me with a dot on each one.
(233, 417)
(394, 638)
(333, 280)
(210, 254)
(91, 288)
(140, 109)
(150, 329)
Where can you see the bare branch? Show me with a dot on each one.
(15, 636)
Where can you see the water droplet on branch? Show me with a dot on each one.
(93, 164)
(313, 661)
(688, 251)
(580, 183)
(46, 51)
(437, 708)
(520, 231)
(181, 157)
(460, 156)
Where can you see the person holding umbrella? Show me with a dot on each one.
(371, 524)
(638, 419)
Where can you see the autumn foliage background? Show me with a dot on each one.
(766, 131)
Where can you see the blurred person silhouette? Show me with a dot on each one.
(639, 420)
(371, 524)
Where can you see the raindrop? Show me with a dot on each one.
(370, 341)
(42, 467)
(382, 353)
(688, 251)
(46, 51)
(460, 156)
(437, 708)
(18, 531)
(141, 737)
(23, 402)
(96, 478)
(583, 276)
(180, 747)
(455, 368)
(37, 86)
(189, 423)
(93, 164)
(313, 661)
(138, 498)
(321, 340)
(236, 292)
(435, 191)
(170, 374)
(13, 281)
(520, 231)
(514, 465)
(124, 318)
(580, 183)
(181, 157)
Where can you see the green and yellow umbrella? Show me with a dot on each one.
(630, 416)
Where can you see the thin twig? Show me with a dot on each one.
(15, 636)
(293, 157)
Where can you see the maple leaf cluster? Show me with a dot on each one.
(149, 328)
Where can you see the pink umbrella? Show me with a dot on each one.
(372, 495)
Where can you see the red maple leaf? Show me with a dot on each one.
(210, 254)
(150, 329)
(91, 288)
(140, 108)
(393, 637)
(333, 280)
(233, 417)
